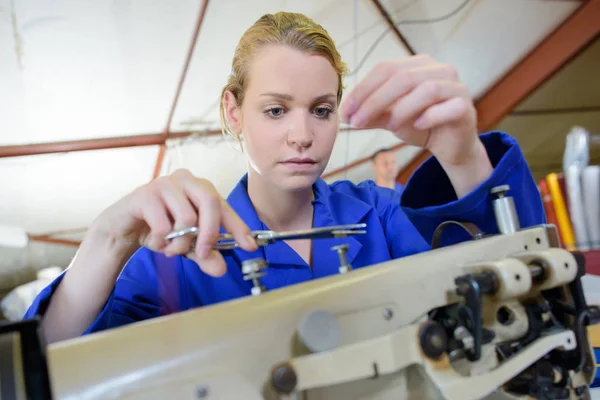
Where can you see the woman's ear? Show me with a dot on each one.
(232, 112)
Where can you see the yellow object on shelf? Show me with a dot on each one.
(594, 335)
(562, 215)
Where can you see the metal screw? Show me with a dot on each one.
(505, 211)
(500, 191)
(201, 391)
(388, 313)
(284, 379)
(252, 270)
(464, 337)
(342, 249)
(456, 355)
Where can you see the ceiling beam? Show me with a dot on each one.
(51, 240)
(571, 37)
(151, 139)
(388, 19)
(186, 65)
(550, 111)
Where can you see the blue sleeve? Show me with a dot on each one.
(147, 287)
(429, 198)
(402, 237)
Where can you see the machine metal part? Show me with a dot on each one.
(263, 238)
(472, 229)
(23, 368)
(505, 211)
(520, 314)
(342, 249)
(433, 339)
(319, 331)
(253, 270)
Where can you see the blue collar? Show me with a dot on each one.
(330, 208)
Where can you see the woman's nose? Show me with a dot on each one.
(299, 132)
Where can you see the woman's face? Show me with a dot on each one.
(289, 117)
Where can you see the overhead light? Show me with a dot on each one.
(13, 236)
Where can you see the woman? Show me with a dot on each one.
(282, 102)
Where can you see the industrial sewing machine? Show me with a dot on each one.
(498, 317)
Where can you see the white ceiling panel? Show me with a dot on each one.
(485, 38)
(79, 69)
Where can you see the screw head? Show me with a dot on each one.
(388, 313)
(340, 248)
(256, 290)
(344, 269)
(284, 379)
(500, 190)
(253, 265)
(202, 391)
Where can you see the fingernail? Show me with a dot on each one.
(250, 241)
(420, 124)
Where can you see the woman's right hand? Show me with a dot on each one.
(180, 200)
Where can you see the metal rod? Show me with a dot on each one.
(388, 19)
(161, 152)
(152, 139)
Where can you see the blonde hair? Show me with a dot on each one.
(291, 29)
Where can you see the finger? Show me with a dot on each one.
(213, 264)
(374, 79)
(399, 85)
(183, 213)
(452, 110)
(234, 224)
(427, 94)
(153, 212)
(206, 199)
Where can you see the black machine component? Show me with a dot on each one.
(540, 382)
(556, 309)
(284, 379)
(471, 288)
(23, 369)
(433, 339)
(471, 229)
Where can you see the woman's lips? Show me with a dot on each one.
(300, 164)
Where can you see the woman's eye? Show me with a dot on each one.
(323, 112)
(275, 111)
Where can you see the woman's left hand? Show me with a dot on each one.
(423, 103)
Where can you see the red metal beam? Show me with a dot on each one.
(356, 163)
(567, 41)
(62, 232)
(51, 240)
(151, 139)
(388, 19)
(186, 65)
